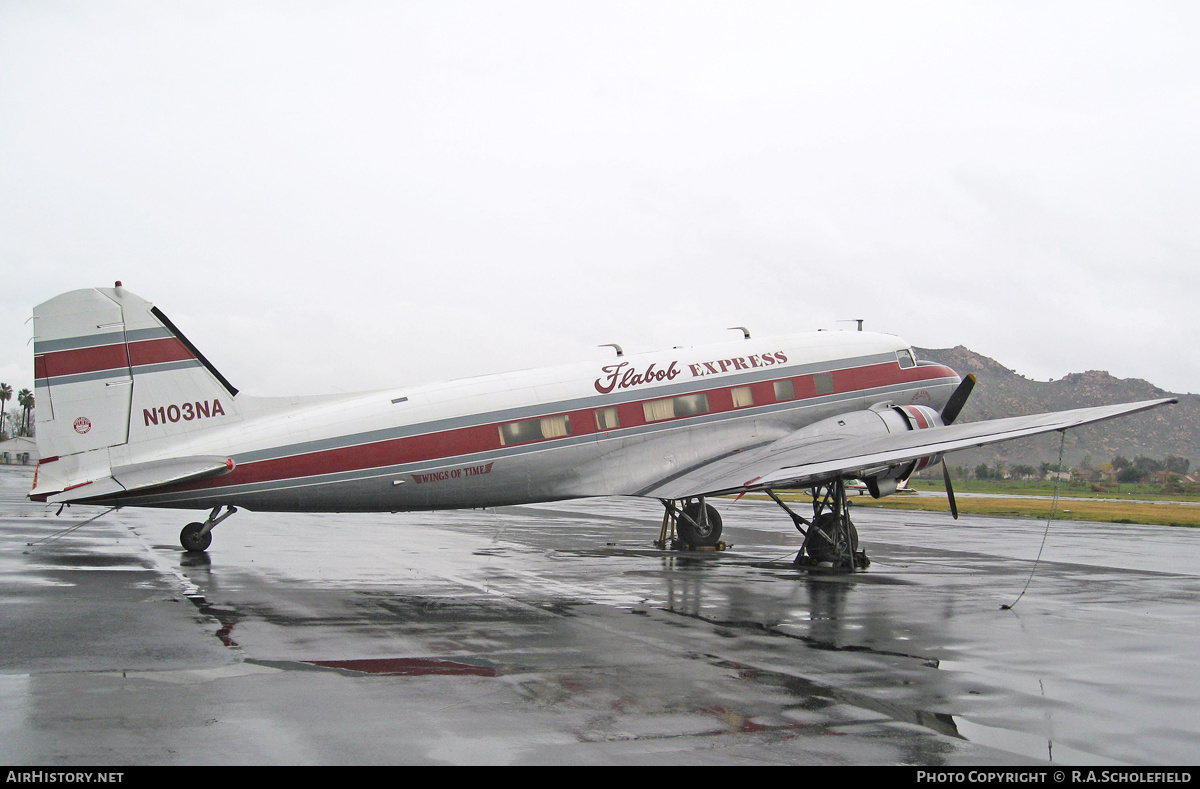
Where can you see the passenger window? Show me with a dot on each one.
(742, 396)
(784, 390)
(823, 383)
(691, 404)
(606, 419)
(672, 407)
(535, 429)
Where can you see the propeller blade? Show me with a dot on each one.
(958, 400)
(949, 490)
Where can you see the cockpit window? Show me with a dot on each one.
(905, 358)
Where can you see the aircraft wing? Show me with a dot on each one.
(802, 459)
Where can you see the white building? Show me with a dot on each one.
(21, 450)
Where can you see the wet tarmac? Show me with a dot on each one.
(557, 634)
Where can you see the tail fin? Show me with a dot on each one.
(111, 370)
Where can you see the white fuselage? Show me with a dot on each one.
(610, 427)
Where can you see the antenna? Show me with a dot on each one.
(745, 332)
(859, 321)
(612, 345)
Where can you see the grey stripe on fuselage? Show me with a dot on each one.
(579, 404)
(822, 403)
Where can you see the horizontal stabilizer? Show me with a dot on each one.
(143, 476)
(106, 486)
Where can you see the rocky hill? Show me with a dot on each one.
(1000, 392)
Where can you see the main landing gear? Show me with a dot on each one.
(196, 537)
(830, 539)
(692, 525)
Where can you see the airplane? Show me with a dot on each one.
(131, 414)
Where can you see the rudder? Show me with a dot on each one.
(110, 369)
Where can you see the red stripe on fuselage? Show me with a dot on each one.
(432, 447)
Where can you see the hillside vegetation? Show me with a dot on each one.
(1000, 392)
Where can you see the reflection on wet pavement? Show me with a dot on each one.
(558, 634)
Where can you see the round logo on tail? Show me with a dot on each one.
(82, 425)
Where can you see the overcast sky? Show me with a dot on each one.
(333, 196)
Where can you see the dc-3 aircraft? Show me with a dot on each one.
(130, 413)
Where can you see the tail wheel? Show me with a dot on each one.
(818, 544)
(192, 540)
(699, 527)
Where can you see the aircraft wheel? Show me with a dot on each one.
(821, 549)
(707, 533)
(191, 539)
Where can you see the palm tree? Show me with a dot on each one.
(5, 394)
(25, 400)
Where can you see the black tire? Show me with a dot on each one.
(191, 539)
(821, 549)
(697, 532)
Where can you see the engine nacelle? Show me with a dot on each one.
(898, 419)
(880, 419)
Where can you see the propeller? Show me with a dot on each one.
(949, 489)
(949, 413)
(958, 400)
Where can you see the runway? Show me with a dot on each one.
(557, 634)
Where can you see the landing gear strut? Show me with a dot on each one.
(696, 525)
(830, 539)
(196, 537)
